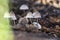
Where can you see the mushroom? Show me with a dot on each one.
(24, 7)
(12, 16)
(29, 15)
(36, 15)
(37, 25)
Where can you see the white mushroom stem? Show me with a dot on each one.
(14, 22)
(37, 19)
(30, 20)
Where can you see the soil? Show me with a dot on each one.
(22, 35)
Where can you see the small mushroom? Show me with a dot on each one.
(13, 17)
(36, 15)
(37, 25)
(24, 7)
(10, 16)
(29, 15)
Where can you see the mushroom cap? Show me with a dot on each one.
(12, 16)
(6, 15)
(24, 7)
(36, 15)
(29, 15)
(36, 24)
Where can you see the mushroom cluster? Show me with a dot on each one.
(34, 16)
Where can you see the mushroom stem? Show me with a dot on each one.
(14, 22)
(30, 20)
(37, 19)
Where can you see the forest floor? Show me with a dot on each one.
(19, 35)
